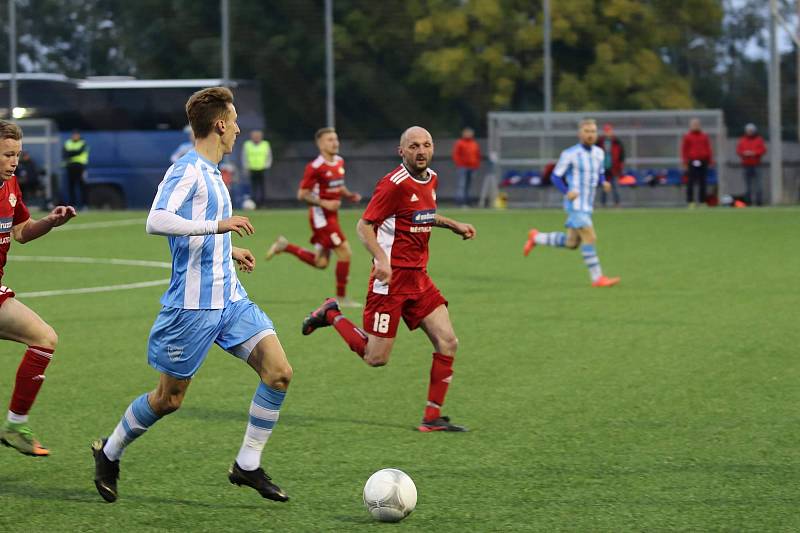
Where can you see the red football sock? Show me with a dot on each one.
(30, 376)
(302, 254)
(342, 271)
(354, 336)
(441, 375)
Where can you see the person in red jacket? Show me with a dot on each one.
(751, 149)
(697, 157)
(467, 157)
(613, 161)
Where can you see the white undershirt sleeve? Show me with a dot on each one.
(162, 222)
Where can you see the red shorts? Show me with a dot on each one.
(411, 295)
(5, 294)
(329, 236)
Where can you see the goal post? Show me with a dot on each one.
(526, 142)
(41, 139)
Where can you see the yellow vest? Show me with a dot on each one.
(83, 157)
(256, 154)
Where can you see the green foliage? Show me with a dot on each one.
(440, 63)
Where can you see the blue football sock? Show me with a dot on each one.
(264, 411)
(138, 417)
(591, 261)
(556, 238)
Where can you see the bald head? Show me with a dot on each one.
(416, 149)
(414, 132)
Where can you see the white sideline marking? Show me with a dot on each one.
(87, 290)
(101, 225)
(92, 261)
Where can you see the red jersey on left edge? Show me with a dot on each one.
(12, 212)
(402, 211)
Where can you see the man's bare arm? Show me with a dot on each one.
(467, 231)
(366, 233)
(33, 229)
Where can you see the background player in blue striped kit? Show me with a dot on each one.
(205, 303)
(577, 174)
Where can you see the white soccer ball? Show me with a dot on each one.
(390, 495)
(248, 204)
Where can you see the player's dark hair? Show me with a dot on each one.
(323, 131)
(9, 130)
(207, 106)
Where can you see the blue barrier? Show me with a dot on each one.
(133, 162)
(660, 176)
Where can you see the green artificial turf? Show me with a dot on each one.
(669, 402)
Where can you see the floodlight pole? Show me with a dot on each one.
(548, 62)
(330, 109)
(226, 42)
(548, 77)
(775, 144)
(12, 56)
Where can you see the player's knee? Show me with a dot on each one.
(280, 379)
(376, 358)
(375, 361)
(571, 244)
(321, 262)
(168, 403)
(448, 344)
(48, 338)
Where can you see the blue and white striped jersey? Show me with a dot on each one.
(582, 168)
(203, 271)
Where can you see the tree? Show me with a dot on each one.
(440, 63)
(77, 38)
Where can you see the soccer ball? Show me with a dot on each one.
(390, 495)
(248, 204)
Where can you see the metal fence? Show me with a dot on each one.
(527, 142)
(41, 140)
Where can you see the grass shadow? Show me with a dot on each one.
(206, 414)
(18, 488)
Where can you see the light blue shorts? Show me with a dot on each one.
(578, 219)
(181, 338)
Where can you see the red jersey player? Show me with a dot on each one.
(17, 322)
(395, 228)
(323, 188)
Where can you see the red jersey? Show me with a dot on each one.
(467, 153)
(753, 144)
(696, 146)
(402, 211)
(324, 179)
(12, 212)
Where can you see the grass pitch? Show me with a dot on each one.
(667, 403)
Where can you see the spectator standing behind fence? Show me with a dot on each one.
(467, 157)
(256, 159)
(612, 163)
(697, 157)
(76, 157)
(751, 149)
(28, 177)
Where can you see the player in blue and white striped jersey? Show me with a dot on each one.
(205, 304)
(577, 174)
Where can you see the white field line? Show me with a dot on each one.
(92, 261)
(89, 260)
(101, 225)
(87, 290)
